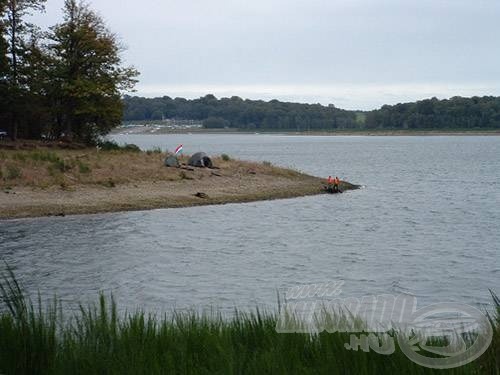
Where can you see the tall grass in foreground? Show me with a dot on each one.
(98, 341)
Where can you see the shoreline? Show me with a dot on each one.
(28, 203)
(41, 182)
(153, 130)
(402, 133)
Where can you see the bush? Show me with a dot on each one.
(113, 146)
(109, 146)
(267, 163)
(225, 157)
(131, 147)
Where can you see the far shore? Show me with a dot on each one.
(155, 129)
(46, 182)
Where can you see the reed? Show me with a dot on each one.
(36, 338)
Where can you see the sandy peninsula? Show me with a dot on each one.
(43, 182)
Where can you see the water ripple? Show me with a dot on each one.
(423, 225)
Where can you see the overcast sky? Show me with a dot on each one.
(356, 54)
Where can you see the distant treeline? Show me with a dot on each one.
(454, 113)
(234, 112)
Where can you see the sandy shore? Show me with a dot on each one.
(62, 182)
(28, 202)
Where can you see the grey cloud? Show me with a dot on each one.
(274, 43)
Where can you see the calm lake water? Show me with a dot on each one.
(426, 223)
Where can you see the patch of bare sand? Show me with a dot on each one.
(24, 201)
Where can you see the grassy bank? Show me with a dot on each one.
(45, 167)
(47, 181)
(98, 341)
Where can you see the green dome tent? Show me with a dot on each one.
(200, 159)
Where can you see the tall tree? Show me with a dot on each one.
(4, 69)
(88, 74)
(4, 63)
(16, 28)
(35, 77)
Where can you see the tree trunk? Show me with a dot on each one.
(13, 127)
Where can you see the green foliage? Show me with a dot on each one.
(88, 67)
(215, 123)
(18, 81)
(66, 82)
(98, 339)
(225, 157)
(131, 147)
(4, 45)
(56, 166)
(235, 112)
(266, 163)
(113, 146)
(44, 156)
(455, 113)
(109, 146)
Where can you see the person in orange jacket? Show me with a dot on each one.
(336, 184)
(333, 184)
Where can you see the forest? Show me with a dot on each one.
(63, 82)
(235, 112)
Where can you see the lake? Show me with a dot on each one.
(426, 222)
